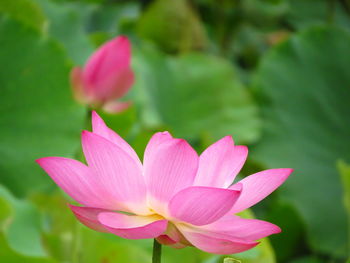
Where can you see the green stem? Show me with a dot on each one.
(76, 252)
(157, 252)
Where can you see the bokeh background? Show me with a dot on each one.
(275, 74)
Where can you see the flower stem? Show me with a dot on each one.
(157, 252)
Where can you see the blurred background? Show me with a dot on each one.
(275, 74)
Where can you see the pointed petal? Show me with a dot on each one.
(237, 227)
(133, 227)
(201, 205)
(107, 74)
(78, 181)
(153, 145)
(169, 166)
(108, 59)
(100, 128)
(257, 186)
(120, 175)
(88, 217)
(220, 163)
(214, 244)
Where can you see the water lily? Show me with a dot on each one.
(175, 196)
(106, 76)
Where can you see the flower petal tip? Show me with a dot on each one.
(238, 187)
(291, 170)
(228, 139)
(44, 160)
(38, 161)
(121, 38)
(286, 171)
(164, 133)
(85, 133)
(94, 114)
(277, 230)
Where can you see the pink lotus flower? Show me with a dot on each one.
(174, 196)
(106, 77)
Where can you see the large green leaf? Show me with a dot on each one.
(20, 228)
(38, 115)
(305, 13)
(292, 237)
(68, 22)
(195, 95)
(25, 11)
(8, 255)
(304, 84)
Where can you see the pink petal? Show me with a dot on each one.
(107, 75)
(165, 240)
(220, 163)
(257, 186)
(119, 173)
(133, 227)
(154, 143)
(116, 85)
(78, 181)
(169, 166)
(88, 217)
(99, 127)
(109, 59)
(201, 205)
(217, 245)
(237, 227)
(173, 237)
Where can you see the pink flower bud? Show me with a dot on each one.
(106, 76)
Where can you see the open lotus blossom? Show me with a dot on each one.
(175, 196)
(106, 76)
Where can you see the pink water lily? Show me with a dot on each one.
(175, 196)
(106, 76)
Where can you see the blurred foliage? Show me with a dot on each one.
(302, 84)
(292, 237)
(344, 170)
(66, 23)
(273, 73)
(20, 225)
(306, 13)
(25, 11)
(36, 99)
(230, 111)
(182, 30)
